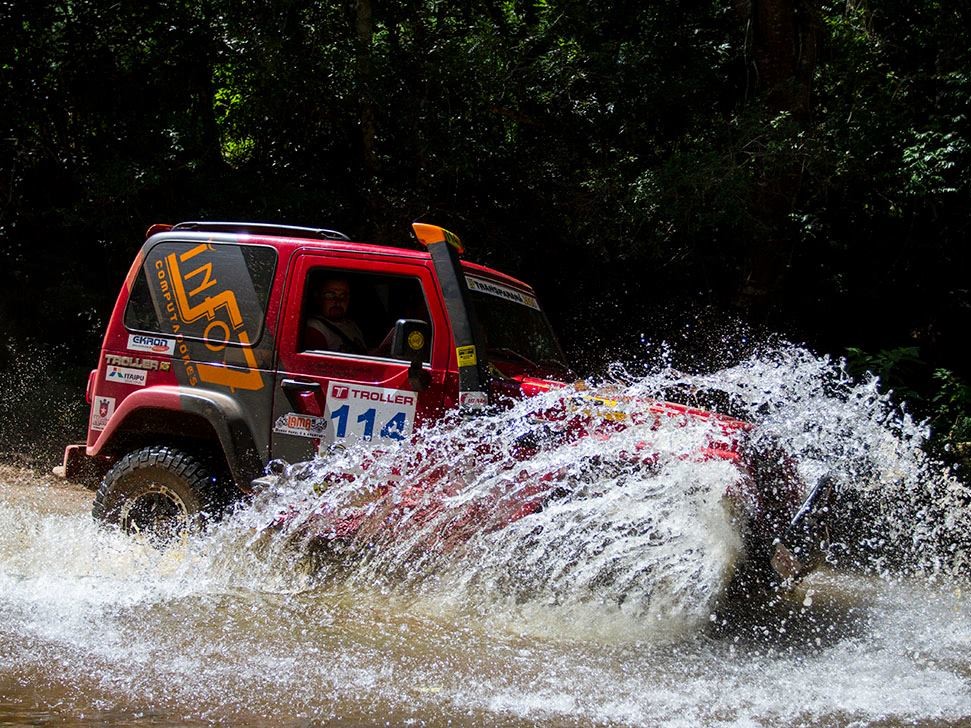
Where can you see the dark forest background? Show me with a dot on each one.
(693, 172)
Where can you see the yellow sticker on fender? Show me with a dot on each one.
(466, 356)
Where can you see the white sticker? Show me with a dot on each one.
(124, 375)
(101, 412)
(357, 411)
(152, 344)
(473, 400)
(505, 292)
(300, 425)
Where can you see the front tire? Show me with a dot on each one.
(159, 491)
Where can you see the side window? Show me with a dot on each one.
(219, 292)
(350, 312)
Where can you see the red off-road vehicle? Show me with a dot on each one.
(221, 355)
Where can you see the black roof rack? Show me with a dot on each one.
(262, 228)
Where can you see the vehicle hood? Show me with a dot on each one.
(612, 404)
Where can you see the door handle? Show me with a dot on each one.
(299, 385)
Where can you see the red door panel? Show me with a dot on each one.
(323, 397)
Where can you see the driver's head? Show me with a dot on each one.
(333, 296)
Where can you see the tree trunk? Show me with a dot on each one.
(784, 39)
(364, 29)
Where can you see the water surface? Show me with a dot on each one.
(592, 619)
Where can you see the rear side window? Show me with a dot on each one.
(207, 291)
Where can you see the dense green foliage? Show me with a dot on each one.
(625, 157)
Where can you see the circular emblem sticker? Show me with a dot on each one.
(416, 340)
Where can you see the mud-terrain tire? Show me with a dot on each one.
(160, 491)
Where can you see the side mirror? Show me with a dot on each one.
(412, 342)
(411, 338)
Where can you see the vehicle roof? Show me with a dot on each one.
(288, 245)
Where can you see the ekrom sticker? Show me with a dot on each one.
(151, 344)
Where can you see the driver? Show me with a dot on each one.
(329, 327)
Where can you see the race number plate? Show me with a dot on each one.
(360, 412)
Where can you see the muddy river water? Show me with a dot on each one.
(573, 624)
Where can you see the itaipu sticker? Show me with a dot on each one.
(151, 344)
(101, 412)
(124, 375)
(466, 356)
(300, 425)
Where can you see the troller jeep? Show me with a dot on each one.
(232, 345)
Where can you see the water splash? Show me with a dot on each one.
(597, 608)
(627, 549)
(897, 506)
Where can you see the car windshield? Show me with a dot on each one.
(518, 336)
